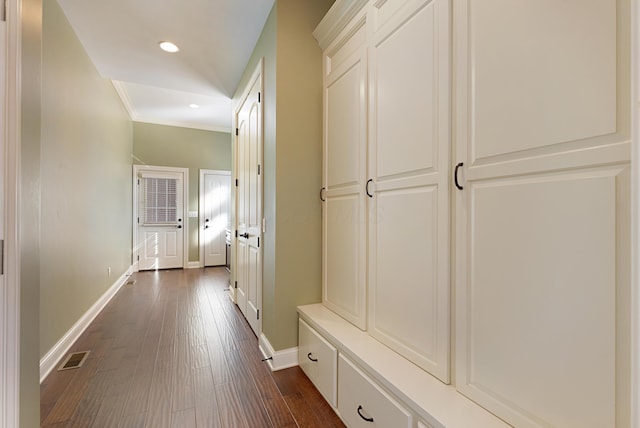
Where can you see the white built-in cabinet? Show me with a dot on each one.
(386, 158)
(476, 218)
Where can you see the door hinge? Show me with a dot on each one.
(258, 313)
(3, 11)
(138, 220)
(138, 258)
(1, 256)
(258, 242)
(236, 233)
(138, 181)
(236, 284)
(258, 169)
(236, 182)
(258, 96)
(236, 131)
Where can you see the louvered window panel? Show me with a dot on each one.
(160, 200)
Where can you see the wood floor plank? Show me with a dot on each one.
(304, 416)
(52, 388)
(141, 383)
(254, 409)
(65, 407)
(183, 419)
(182, 385)
(159, 405)
(133, 421)
(207, 412)
(276, 407)
(172, 349)
(231, 409)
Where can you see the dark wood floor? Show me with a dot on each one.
(171, 350)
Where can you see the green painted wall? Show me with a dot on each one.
(29, 213)
(85, 165)
(299, 161)
(292, 163)
(161, 145)
(266, 49)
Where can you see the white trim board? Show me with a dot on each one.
(49, 361)
(635, 214)
(10, 138)
(279, 360)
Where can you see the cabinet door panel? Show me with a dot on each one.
(542, 93)
(541, 294)
(409, 156)
(542, 225)
(343, 146)
(344, 213)
(343, 274)
(404, 118)
(405, 300)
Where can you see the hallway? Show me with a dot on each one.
(171, 350)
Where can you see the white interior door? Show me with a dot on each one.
(249, 203)
(542, 226)
(215, 193)
(160, 218)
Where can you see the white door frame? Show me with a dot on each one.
(201, 212)
(10, 138)
(635, 214)
(185, 203)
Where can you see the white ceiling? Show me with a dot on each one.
(216, 39)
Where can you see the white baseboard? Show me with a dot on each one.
(279, 359)
(49, 361)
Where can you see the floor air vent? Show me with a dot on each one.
(74, 360)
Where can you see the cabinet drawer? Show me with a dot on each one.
(318, 359)
(359, 399)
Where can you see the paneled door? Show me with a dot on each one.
(249, 204)
(160, 226)
(344, 224)
(542, 254)
(215, 195)
(409, 181)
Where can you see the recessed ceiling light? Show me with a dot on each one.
(194, 106)
(168, 47)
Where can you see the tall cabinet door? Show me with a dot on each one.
(409, 189)
(542, 252)
(344, 213)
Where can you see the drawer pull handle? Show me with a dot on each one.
(362, 416)
(315, 360)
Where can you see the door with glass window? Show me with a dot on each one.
(160, 223)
